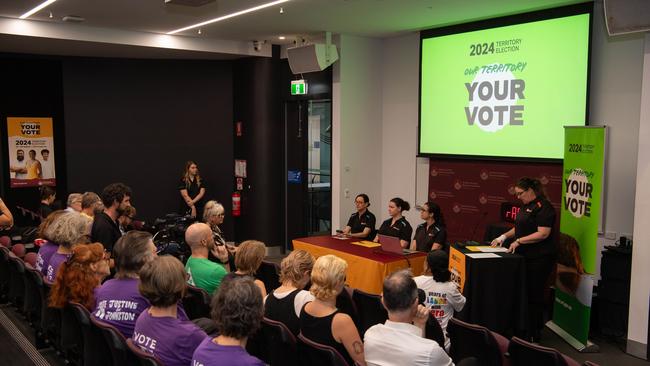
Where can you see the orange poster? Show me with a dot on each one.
(457, 267)
(31, 151)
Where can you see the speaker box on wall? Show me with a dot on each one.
(311, 58)
(627, 16)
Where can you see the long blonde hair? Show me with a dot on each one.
(186, 174)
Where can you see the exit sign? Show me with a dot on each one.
(298, 87)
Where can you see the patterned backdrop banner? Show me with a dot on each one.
(470, 192)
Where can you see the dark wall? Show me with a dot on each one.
(139, 121)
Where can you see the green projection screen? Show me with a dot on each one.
(504, 88)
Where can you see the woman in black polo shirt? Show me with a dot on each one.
(192, 190)
(361, 223)
(432, 233)
(533, 240)
(397, 225)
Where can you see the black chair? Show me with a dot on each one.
(96, 351)
(277, 345)
(316, 354)
(471, 340)
(196, 303)
(269, 273)
(119, 350)
(72, 340)
(345, 305)
(17, 284)
(370, 310)
(523, 353)
(34, 299)
(433, 331)
(5, 274)
(50, 319)
(144, 358)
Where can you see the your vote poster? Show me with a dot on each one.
(582, 189)
(31, 151)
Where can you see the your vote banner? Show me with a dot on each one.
(31, 151)
(582, 189)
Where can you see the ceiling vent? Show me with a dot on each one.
(189, 2)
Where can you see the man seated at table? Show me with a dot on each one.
(202, 272)
(400, 341)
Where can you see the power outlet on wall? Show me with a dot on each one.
(611, 235)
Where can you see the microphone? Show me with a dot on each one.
(478, 222)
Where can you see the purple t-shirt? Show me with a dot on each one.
(44, 255)
(211, 354)
(172, 340)
(53, 265)
(119, 303)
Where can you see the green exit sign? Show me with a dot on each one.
(298, 87)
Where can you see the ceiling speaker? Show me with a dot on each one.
(627, 16)
(311, 58)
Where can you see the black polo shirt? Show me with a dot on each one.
(105, 231)
(537, 213)
(359, 222)
(193, 190)
(425, 237)
(401, 229)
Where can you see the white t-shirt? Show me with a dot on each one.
(397, 344)
(21, 165)
(443, 298)
(299, 301)
(47, 168)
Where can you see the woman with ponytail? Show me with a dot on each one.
(396, 225)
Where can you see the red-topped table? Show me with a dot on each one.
(367, 268)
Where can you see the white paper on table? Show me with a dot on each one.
(340, 237)
(482, 255)
(493, 249)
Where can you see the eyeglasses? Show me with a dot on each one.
(518, 194)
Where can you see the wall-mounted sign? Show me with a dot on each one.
(31, 151)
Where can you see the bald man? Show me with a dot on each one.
(204, 273)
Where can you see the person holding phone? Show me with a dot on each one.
(362, 222)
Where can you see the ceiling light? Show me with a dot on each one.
(44, 4)
(281, 37)
(228, 16)
(281, 10)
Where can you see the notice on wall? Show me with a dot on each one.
(457, 267)
(31, 151)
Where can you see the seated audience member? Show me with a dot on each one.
(400, 341)
(79, 276)
(237, 310)
(6, 218)
(158, 329)
(74, 202)
(321, 321)
(442, 295)
(202, 272)
(91, 204)
(46, 245)
(67, 231)
(126, 219)
(248, 259)
(118, 301)
(116, 198)
(213, 215)
(284, 304)
(48, 195)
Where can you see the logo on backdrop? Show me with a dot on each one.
(577, 199)
(493, 97)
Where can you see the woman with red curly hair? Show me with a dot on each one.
(78, 277)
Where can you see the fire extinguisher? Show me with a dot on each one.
(236, 204)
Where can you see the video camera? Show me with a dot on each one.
(169, 235)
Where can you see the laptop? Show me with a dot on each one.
(392, 244)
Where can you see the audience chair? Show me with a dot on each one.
(16, 283)
(144, 358)
(269, 273)
(5, 274)
(119, 350)
(523, 353)
(316, 354)
(196, 303)
(345, 304)
(471, 340)
(72, 340)
(370, 309)
(33, 282)
(96, 351)
(30, 258)
(276, 345)
(19, 250)
(50, 319)
(5, 241)
(433, 331)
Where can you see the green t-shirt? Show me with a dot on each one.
(204, 274)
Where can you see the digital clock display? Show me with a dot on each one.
(509, 212)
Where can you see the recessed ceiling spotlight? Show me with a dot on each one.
(228, 16)
(199, 32)
(281, 10)
(281, 37)
(39, 7)
(51, 16)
